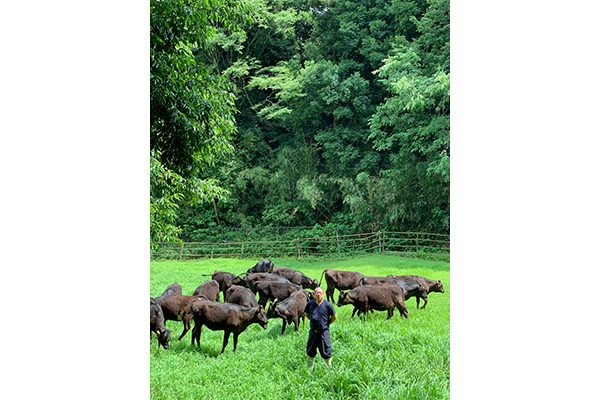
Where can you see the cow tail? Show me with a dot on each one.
(321, 278)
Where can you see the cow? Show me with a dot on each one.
(381, 298)
(225, 317)
(177, 308)
(340, 280)
(262, 266)
(274, 290)
(241, 296)
(173, 288)
(209, 289)
(296, 277)
(250, 279)
(157, 324)
(411, 289)
(225, 279)
(429, 284)
(289, 310)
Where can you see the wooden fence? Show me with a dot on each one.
(420, 244)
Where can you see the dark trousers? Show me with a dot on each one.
(321, 341)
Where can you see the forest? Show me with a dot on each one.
(282, 113)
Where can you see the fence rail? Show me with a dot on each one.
(420, 244)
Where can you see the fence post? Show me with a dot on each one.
(353, 248)
(337, 239)
(242, 255)
(417, 241)
(181, 251)
(380, 244)
(298, 248)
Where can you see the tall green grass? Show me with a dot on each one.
(375, 359)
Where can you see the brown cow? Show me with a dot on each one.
(209, 289)
(177, 308)
(242, 296)
(429, 284)
(289, 310)
(225, 317)
(225, 279)
(340, 280)
(173, 288)
(268, 290)
(381, 298)
(296, 277)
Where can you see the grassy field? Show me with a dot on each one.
(375, 359)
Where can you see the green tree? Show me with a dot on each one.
(191, 111)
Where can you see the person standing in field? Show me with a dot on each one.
(321, 314)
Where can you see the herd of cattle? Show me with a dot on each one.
(286, 288)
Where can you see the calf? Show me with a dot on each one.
(241, 296)
(225, 280)
(381, 298)
(262, 266)
(177, 308)
(209, 289)
(157, 324)
(225, 317)
(340, 280)
(429, 284)
(274, 290)
(289, 310)
(296, 277)
(173, 288)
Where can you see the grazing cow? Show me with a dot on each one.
(209, 289)
(225, 279)
(177, 308)
(173, 288)
(225, 317)
(289, 310)
(250, 279)
(429, 284)
(241, 296)
(340, 280)
(273, 290)
(262, 266)
(157, 324)
(296, 277)
(381, 298)
(411, 289)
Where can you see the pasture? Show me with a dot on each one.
(375, 359)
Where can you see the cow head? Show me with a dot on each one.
(423, 291)
(261, 317)
(273, 312)
(438, 287)
(343, 299)
(313, 284)
(163, 338)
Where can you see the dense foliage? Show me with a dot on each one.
(343, 117)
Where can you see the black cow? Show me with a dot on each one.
(411, 289)
(381, 298)
(268, 290)
(289, 310)
(225, 317)
(241, 296)
(157, 324)
(296, 277)
(340, 280)
(429, 284)
(262, 266)
(209, 289)
(173, 288)
(250, 279)
(225, 279)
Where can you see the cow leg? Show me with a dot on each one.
(329, 293)
(424, 303)
(235, 338)
(186, 325)
(296, 324)
(418, 299)
(226, 340)
(283, 325)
